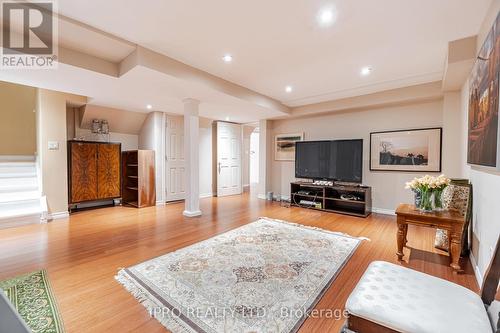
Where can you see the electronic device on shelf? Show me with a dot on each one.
(304, 192)
(310, 203)
(349, 197)
(323, 182)
(348, 184)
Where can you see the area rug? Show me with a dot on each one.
(265, 276)
(32, 297)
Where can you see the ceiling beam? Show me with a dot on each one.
(166, 65)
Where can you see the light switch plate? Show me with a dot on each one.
(53, 145)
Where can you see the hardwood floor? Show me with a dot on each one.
(83, 253)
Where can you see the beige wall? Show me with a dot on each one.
(388, 187)
(206, 163)
(120, 121)
(17, 119)
(245, 160)
(128, 138)
(486, 183)
(51, 126)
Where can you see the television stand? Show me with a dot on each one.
(342, 199)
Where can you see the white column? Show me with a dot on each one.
(191, 154)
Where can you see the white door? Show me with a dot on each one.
(175, 162)
(228, 159)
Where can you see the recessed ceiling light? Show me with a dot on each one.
(227, 118)
(149, 106)
(227, 58)
(366, 71)
(288, 89)
(327, 16)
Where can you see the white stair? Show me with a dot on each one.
(20, 198)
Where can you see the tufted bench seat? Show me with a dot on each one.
(395, 298)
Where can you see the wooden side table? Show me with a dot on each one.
(449, 220)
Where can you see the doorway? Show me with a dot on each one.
(229, 162)
(254, 160)
(175, 165)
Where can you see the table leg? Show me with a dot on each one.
(401, 236)
(456, 248)
(405, 235)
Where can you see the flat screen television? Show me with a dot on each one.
(338, 160)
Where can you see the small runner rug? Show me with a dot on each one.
(32, 297)
(265, 276)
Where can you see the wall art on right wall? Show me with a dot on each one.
(483, 146)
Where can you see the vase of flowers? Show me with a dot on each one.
(431, 190)
(441, 183)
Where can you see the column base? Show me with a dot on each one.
(188, 213)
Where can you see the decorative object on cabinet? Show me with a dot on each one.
(93, 171)
(139, 188)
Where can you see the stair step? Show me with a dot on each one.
(17, 158)
(19, 196)
(19, 187)
(16, 168)
(23, 208)
(22, 164)
(18, 175)
(22, 181)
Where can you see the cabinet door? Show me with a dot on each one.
(83, 172)
(108, 171)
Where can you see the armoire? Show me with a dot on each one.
(94, 171)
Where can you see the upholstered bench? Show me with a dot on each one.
(392, 298)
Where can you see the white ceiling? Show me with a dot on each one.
(137, 88)
(278, 43)
(274, 43)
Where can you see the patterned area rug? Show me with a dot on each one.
(262, 277)
(32, 297)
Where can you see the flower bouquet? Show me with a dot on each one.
(430, 190)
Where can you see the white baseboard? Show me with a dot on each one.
(191, 213)
(477, 273)
(383, 211)
(160, 203)
(262, 196)
(58, 215)
(246, 185)
(206, 195)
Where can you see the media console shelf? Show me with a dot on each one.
(328, 198)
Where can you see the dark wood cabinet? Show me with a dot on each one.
(139, 189)
(343, 199)
(94, 171)
(108, 171)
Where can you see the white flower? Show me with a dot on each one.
(428, 182)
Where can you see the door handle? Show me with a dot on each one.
(219, 168)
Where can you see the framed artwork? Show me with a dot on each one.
(483, 140)
(284, 146)
(416, 150)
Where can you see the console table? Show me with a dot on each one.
(448, 220)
